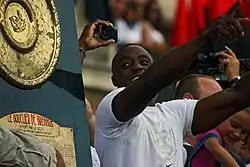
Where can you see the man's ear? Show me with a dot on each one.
(188, 96)
(114, 81)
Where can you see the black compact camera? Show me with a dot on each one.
(208, 59)
(207, 64)
(107, 32)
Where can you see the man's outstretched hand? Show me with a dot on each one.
(229, 27)
(89, 40)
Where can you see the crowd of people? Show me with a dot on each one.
(202, 126)
(140, 22)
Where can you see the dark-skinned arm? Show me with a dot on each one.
(133, 99)
(221, 106)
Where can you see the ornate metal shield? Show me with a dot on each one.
(29, 41)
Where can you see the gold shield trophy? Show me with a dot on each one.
(29, 42)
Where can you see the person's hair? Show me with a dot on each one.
(147, 9)
(131, 5)
(158, 24)
(189, 84)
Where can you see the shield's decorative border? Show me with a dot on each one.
(40, 80)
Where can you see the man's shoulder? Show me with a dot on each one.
(109, 97)
(212, 133)
(177, 104)
(182, 111)
(104, 113)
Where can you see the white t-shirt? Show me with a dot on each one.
(152, 139)
(156, 36)
(95, 158)
(128, 34)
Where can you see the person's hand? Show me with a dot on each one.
(228, 27)
(89, 111)
(89, 40)
(229, 63)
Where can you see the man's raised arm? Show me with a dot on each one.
(222, 105)
(132, 100)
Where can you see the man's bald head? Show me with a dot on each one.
(196, 86)
(208, 87)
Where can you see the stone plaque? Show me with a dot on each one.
(48, 131)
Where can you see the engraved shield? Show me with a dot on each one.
(29, 41)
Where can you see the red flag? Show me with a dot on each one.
(199, 15)
(189, 22)
(191, 19)
(180, 34)
(245, 7)
(220, 7)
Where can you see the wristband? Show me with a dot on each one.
(82, 54)
(234, 81)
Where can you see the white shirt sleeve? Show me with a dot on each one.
(182, 111)
(95, 158)
(106, 122)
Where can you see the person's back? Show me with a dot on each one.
(203, 157)
(21, 149)
(153, 138)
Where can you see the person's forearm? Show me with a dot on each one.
(91, 122)
(162, 73)
(221, 106)
(224, 158)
